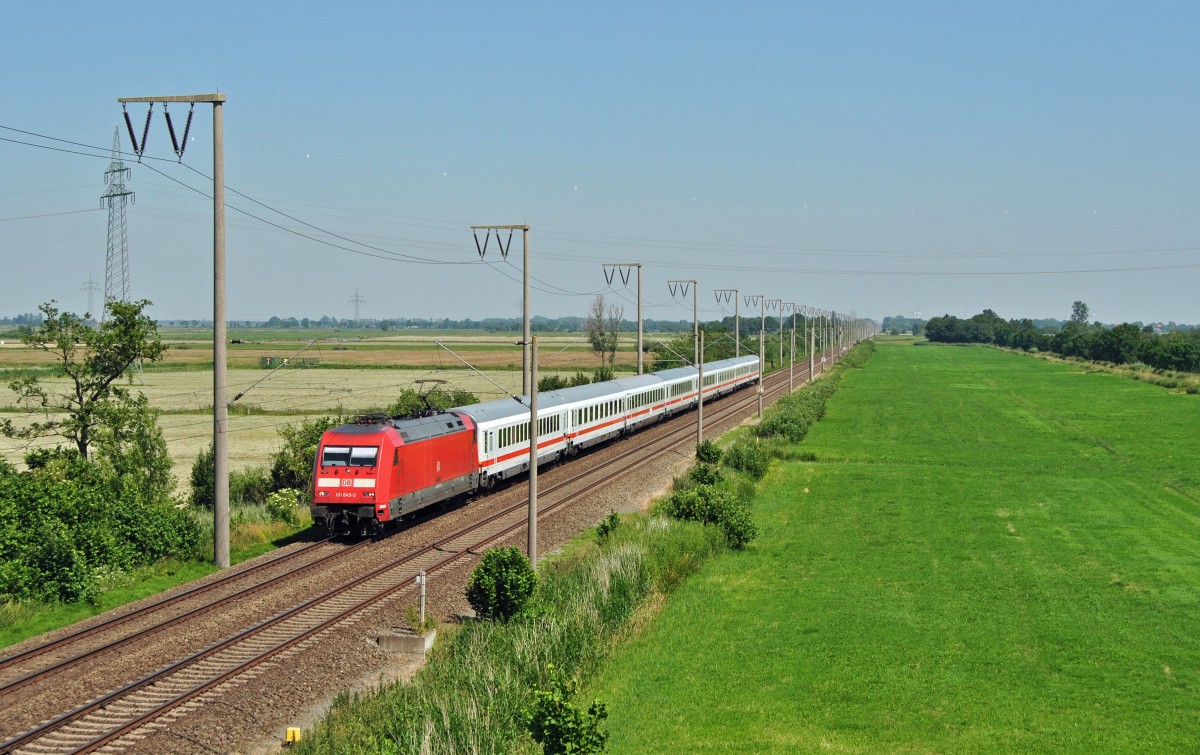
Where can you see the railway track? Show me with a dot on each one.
(158, 698)
(17, 662)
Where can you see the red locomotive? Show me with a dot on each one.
(379, 469)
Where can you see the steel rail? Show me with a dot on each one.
(68, 663)
(46, 647)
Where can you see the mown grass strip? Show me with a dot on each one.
(989, 553)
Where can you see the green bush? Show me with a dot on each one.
(502, 583)
(705, 474)
(708, 504)
(61, 523)
(750, 457)
(410, 402)
(608, 526)
(249, 487)
(558, 725)
(204, 492)
(708, 453)
(552, 383)
(281, 505)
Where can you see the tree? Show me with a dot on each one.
(612, 331)
(411, 403)
(132, 452)
(595, 327)
(1079, 312)
(94, 359)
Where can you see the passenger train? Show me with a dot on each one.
(376, 470)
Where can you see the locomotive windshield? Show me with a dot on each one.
(349, 456)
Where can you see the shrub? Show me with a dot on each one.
(61, 524)
(551, 383)
(560, 727)
(608, 526)
(752, 458)
(281, 505)
(705, 474)
(708, 453)
(204, 473)
(708, 504)
(502, 583)
(249, 487)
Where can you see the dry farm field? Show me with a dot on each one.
(349, 376)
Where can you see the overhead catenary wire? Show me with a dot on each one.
(741, 248)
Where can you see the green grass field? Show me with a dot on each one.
(990, 553)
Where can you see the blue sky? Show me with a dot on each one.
(875, 158)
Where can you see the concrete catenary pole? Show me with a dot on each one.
(220, 390)
(810, 326)
(526, 348)
(700, 397)
(531, 545)
(762, 344)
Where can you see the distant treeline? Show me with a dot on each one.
(1126, 343)
(749, 325)
(509, 324)
(901, 324)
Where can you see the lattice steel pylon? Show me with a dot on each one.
(116, 264)
(116, 197)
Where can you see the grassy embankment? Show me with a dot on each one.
(990, 552)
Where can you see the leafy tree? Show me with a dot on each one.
(612, 331)
(1120, 345)
(410, 402)
(132, 451)
(595, 327)
(1079, 312)
(501, 584)
(93, 359)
